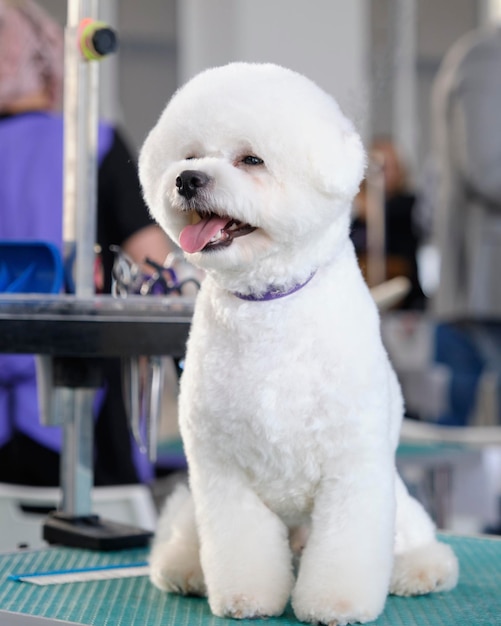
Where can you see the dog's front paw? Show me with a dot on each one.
(188, 583)
(429, 568)
(247, 606)
(317, 605)
(254, 595)
(334, 613)
(176, 570)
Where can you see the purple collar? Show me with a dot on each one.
(273, 293)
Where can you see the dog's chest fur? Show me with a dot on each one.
(265, 391)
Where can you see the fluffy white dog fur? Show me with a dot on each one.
(289, 408)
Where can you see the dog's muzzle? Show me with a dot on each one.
(190, 181)
(208, 229)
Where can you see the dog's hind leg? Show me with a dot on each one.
(422, 564)
(175, 555)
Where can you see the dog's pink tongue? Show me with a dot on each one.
(196, 236)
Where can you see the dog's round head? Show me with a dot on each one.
(250, 162)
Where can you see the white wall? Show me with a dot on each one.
(326, 39)
(439, 24)
(147, 63)
(436, 24)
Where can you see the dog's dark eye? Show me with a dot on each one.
(252, 160)
(190, 158)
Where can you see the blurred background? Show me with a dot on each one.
(377, 57)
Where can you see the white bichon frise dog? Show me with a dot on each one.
(289, 408)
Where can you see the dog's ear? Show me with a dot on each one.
(153, 160)
(342, 162)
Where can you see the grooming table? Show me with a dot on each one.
(73, 334)
(476, 601)
(102, 326)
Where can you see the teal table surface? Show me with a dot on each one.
(476, 601)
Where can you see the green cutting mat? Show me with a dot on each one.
(135, 602)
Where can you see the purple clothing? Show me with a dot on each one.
(31, 208)
(31, 165)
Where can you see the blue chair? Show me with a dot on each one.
(30, 267)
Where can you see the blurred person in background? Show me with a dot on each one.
(401, 234)
(31, 208)
(467, 223)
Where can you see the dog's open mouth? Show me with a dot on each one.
(211, 231)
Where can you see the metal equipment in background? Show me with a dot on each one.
(70, 381)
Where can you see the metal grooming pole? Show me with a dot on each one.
(75, 379)
(81, 84)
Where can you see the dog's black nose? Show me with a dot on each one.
(189, 181)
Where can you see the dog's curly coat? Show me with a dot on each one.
(289, 408)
